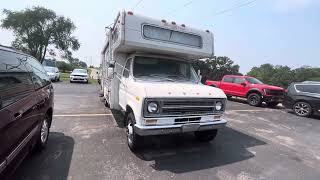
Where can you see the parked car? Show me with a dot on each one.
(251, 88)
(303, 98)
(26, 106)
(79, 75)
(53, 73)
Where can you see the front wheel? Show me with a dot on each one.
(302, 109)
(254, 99)
(206, 136)
(133, 139)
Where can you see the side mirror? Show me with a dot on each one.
(243, 84)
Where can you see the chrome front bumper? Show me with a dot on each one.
(180, 128)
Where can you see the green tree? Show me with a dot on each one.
(264, 73)
(64, 67)
(215, 68)
(306, 73)
(284, 75)
(37, 29)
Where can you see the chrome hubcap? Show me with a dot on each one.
(44, 131)
(301, 109)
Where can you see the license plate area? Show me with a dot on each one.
(190, 127)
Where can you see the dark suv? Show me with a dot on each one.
(26, 106)
(303, 98)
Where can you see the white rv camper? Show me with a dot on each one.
(147, 73)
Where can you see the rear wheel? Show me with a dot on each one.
(133, 139)
(254, 99)
(272, 104)
(206, 136)
(42, 137)
(302, 109)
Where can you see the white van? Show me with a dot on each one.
(148, 75)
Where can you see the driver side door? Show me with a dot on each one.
(123, 84)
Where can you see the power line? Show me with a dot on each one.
(137, 4)
(234, 7)
(181, 7)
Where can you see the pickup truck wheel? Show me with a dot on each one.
(254, 99)
(42, 137)
(133, 139)
(206, 136)
(302, 109)
(272, 104)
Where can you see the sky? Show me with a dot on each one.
(280, 32)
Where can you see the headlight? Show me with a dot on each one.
(152, 107)
(219, 106)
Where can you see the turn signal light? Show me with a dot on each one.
(216, 117)
(151, 122)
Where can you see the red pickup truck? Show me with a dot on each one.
(251, 88)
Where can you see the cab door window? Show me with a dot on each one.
(15, 80)
(39, 75)
(126, 70)
(228, 79)
(238, 80)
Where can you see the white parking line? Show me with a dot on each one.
(80, 115)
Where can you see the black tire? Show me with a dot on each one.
(272, 104)
(254, 99)
(229, 97)
(134, 140)
(302, 109)
(206, 136)
(58, 79)
(70, 81)
(43, 135)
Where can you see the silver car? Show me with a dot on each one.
(53, 73)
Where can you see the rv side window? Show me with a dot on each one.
(162, 34)
(126, 70)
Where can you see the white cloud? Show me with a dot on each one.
(290, 5)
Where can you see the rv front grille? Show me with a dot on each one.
(183, 107)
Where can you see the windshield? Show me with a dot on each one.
(163, 69)
(252, 80)
(80, 71)
(49, 69)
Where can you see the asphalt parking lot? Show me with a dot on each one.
(87, 141)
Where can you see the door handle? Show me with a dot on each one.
(17, 115)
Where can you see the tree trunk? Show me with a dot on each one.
(44, 54)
